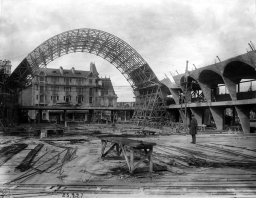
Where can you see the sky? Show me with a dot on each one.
(166, 33)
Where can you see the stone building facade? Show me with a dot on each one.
(71, 88)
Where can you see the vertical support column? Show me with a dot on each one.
(206, 89)
(64, 115)
(218, 116)
(131, 160)
(118, 150)
(112, 116)
(124, 115)
(244, 116)
(198, 112)
(231, 86)
(175, 95)
(150, 160)
(131, 114)
(40, 111)
(91, 112)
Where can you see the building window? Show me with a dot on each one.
(67, 88)
(41, 78)
(90, 81)
(68, 98)
(51, 97)
(36, 87)
(90, 92)
(42, 98)
(36, 97)
(55, 98)
(56, 79)
(70, 80)
(56, 88)
(41, 89)
(110, 102)
(90, 100)
(80, 99)
(79, 89)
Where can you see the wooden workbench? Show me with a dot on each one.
(122, 144)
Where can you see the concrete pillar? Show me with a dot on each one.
(198, 112)
(175, 95)
(206, 89)
(231, 86)
(218, 116)
(244, 116)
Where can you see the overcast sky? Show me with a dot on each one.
(165, 33)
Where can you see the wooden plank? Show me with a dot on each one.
(126, 158)
(131, 159)
(128, 142)
(25, 164)
(104, 144)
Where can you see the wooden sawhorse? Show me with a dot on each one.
(120, 144)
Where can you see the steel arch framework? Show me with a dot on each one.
(111, 48)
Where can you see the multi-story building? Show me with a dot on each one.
(62, 87)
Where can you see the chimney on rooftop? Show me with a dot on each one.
(61, 70)
(73, 70)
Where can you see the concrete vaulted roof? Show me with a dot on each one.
(236, 68)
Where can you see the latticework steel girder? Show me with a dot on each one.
(129, 62)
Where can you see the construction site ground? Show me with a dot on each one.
(220, 164)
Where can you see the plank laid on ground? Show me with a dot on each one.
(25, 164)
(8, 152)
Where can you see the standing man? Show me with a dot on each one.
(193, 129)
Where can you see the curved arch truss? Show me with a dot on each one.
(120, 54)
(127, 60)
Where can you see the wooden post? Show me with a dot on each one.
(126, 158)
(150, 160)
(117, 150)
(103, 144)
(131, 159)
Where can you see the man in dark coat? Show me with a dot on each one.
(193, 129)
